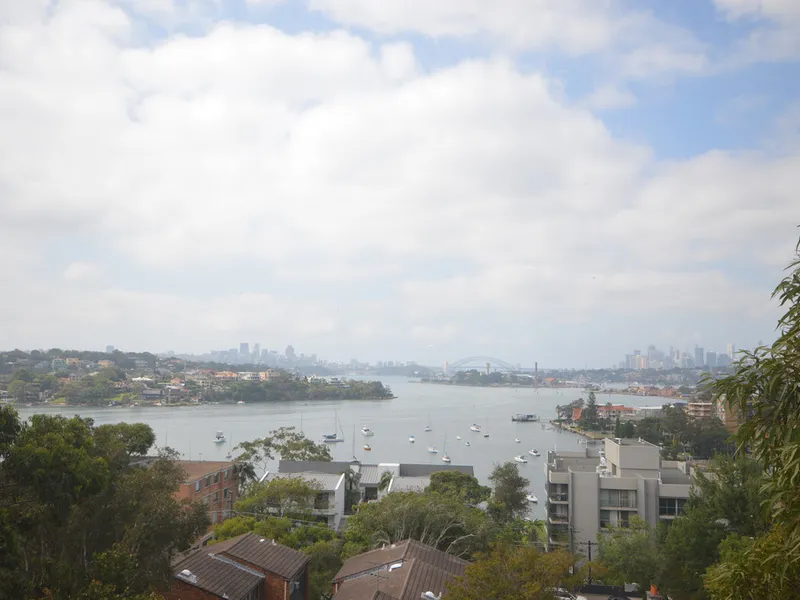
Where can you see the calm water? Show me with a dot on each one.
(450, 409)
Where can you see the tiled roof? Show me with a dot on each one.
(327, 481)
(219, 577)
(415, 470)
(408, 484)
(197, 469)
(370, 475)
(265, 554)
(405, 550)
(318, 466)
(421, 570)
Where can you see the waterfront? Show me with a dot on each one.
(451, 409)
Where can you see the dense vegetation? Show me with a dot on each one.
(77, 520)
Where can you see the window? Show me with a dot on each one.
(621, 498)
(225, 477)
(322, 501)
(207, 499)
(216, 496)
(208, 481)
(225, 493)
(671, 507)
(294, 586)
(614, 518)
(214, 517)
(216, 477)
(197, 485)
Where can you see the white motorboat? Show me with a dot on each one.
(520, 459)
(367, 447)
(445, 458)
(433, 450)
(411, 439)
(458, 437)
(367, 432)
(476, 428)
(517, 440)
(466, 443)
(240, 402)
(533, 452)
(428, 428)
(532, 498)
(220, 438)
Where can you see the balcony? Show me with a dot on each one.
(619, 506)
(558, 498)
(558, 539)
(558, 519)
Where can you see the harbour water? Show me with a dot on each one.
(450, 410)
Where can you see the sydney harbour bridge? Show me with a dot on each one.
(486, 364)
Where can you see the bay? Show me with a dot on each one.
(450, 410)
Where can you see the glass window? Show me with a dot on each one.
(208, 481)
(197, 485)
(225, 477)
(216, 496)
(225, 493)
(216, 477)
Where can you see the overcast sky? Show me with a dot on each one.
(561, 181)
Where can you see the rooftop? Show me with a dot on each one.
(632, 442)
(196, 469)
(408, 484)
(318, 466)
(370, 475)
(568, 463)
(217, 576)
(264, 554)
(328, 482)
(674, 475)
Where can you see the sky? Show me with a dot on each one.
(534, 180)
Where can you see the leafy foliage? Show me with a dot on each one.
(78, 520)
(282, 496)
(510, 493)
(461, 486)
(631, 554)
(514, 573)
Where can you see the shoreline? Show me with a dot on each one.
(185, 404)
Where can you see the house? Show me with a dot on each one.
(152, 394)
(247, 567)
(59, 364)
(105, 364)
(589, 492)
(407, 570)
(701, 410)
(215, 483)
(328, 505)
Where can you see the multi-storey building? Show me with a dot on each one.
(699, 409)
(213, 483)
(590, 491)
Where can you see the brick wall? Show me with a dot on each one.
(217, 506)
(277, 587)
(181, 590)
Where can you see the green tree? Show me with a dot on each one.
(589, 417)
(281, 496)
(510, 493)
(627, 430)
(385, 481)
(514, 573)
(19, 389)
(631, 554)
(764, 389)
(434, 519)
(462, 486)
(292, 445)
(650, 429)
(705, 439)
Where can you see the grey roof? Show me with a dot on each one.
(370, 475)
(422, 568)
(413, 470)
(326, 481)
(408, 484)
(216, 576)
(673, 475)
(318, 466)
(265, 554)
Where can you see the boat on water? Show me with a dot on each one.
(466, 443)
(524, 418)
(485, 435)
(333, 438)
(532, 498)
(433, 450)
(445, 458)
(520, 458)
(411, 439)
(367, 432)
(517, 440)
(240, 402)
(533, 452)
(458, 437)
(475, 427)
(367, 447)
(220, 438)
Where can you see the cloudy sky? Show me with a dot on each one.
(560, 181)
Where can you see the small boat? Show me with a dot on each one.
(367, 432)
(475, 427)
(411, 439)
(220, 438)
(367, 447)
(433, 450)
(333, 438)
(466, 443)
(240, 402)
(428, 428)
(354, 461)
(532, 498)
(520, 458)
(458, 437)
(485, 435)
(533, 452)
(517, 440)
(445, 458)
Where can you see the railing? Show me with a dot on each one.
(558, 519)
(558, 497)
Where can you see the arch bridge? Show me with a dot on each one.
(480, 362)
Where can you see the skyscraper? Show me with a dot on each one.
(730, 350)
(244, 351)
(256, 352)
(699, 358)
(711, 359)
(289, 352)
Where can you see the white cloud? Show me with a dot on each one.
(609, 97)
(82, 271)
(360, 204)
(776, 33)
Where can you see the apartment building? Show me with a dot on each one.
(590, 490)
(213, 483)
(330, 499)
(731, 418)
(698, 409)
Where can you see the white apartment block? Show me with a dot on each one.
(593, 490)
